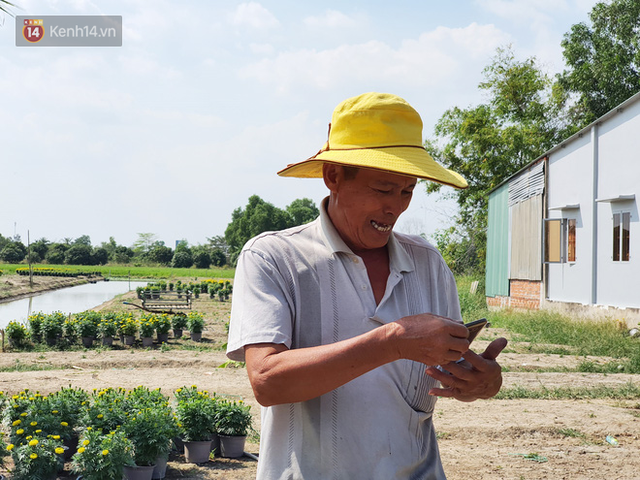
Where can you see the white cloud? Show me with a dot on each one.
(261, 48)
(330, 19)
(253, 15)
(427, 61)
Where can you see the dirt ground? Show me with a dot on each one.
(492, 439)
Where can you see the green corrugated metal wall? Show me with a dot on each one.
(497, 272)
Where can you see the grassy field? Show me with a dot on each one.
(546, 332)
(124, 271)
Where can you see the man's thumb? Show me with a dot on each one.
(494, 348)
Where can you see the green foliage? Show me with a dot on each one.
(16, 332)
(260, 216)
(13, 252)
(302, 210)
(102, 455)
(179, 321)
(196, 413)
(523, 117)
(233, 418)
(603, 58)
(36, 459)
(163, 323)
(195, 322)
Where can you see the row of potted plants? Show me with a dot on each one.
(89, 325)
(215, 288)
(109, 432)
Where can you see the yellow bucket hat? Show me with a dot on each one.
(379, 131)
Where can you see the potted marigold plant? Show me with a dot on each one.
(87, 328)
(147, 327)
(163, 325)
(196, 423)
(195, 324)
(16, 333)
(233, 422)
(108, 328)
(36, 459)
(128, 327)
(178, 323)
(102, 456)
(150, 430)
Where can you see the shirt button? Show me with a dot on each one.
(355, 260)
(364, 287)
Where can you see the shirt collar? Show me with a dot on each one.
(399, 259)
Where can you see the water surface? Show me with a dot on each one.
(67, 300)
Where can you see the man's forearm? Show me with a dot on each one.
(280, 375)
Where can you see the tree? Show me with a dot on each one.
(202, 258)
(56, 253)
(100, 256)
(79, 254)
(160, 254)
(144, 243)
(82, 240)
(603, 58)
(525, 115)
(218, 258)
(13, 252)
(122, 254)
(302, 210)
(39, 249)
(257, 217)
(182, 258)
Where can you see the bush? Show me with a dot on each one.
(16, 332)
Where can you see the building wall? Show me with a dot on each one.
(524, 294)
(619, 174)
(569, 182)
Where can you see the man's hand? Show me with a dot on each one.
(429, 339)
(478, 376)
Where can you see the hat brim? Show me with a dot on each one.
(409, 161)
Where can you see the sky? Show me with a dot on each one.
(206, 100)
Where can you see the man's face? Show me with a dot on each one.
(364, 209)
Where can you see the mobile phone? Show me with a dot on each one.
(475, 327)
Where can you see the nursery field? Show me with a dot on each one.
(551, 421)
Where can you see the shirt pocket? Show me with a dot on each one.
(418, 388)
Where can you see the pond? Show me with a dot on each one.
(67, 300)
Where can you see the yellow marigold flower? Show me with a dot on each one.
(23, 414)
(38, 431)
(105, 452)
(81, 450)
(29, 437)
(64, 424)
(20, 431)
(10, 446)
(178, 390)
(54, 411)
(86, 442)
(59, 450)
(33, 443)
(17, 422)
(33, 424)
(100, 415)
(55, 437)
(34, 456)
(89, 428)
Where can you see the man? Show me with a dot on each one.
(344, 324)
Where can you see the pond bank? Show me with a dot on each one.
(15, 287)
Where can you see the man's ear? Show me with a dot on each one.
(332, 174)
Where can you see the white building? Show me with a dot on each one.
(565, 231)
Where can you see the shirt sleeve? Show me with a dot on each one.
(261, 311)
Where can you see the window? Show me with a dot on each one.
(621, 236)
(560, 240)
(571, 240)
